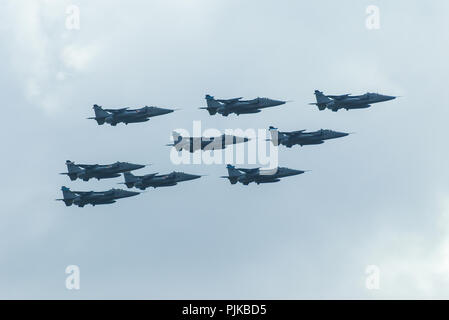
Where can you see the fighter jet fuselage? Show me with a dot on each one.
(302, 138)
(246, 176)
(126, 115)
(346, 101)
(154, 180)
(193, 144)
(81, 198)
(88, 171)
(238, 106)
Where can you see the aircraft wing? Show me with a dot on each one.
(293, 133)
(250, 171)
(229, 101)
(339, 97)
(82, 193)
(139, 110)
(149, 176)
(87, 166)
(117, 110)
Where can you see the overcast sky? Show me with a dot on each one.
(378, 197)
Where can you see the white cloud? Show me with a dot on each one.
(44, 51)
(78, 57)
(416, 265)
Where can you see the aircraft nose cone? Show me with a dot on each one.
(188, 177)
(296, 172)
(126, 194)
(278, 102)
(137, 166)
(387, 98)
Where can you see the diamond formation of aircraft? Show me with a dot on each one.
(346, 101)
(155, 180)
(238, 106)
(81, 198)
(301, 137)
(193, 144)
(126, 115)
(246, 176)
(98, 171)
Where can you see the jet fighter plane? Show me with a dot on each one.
(238, 106)
(98, 171)
(302, 138)
(246, 176)
(81, 198)
(192, 144)
(346, 101)
(154, 180)
(126, 115)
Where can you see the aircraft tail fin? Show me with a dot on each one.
(100, 114)
(73, 170)
(321, 100)
(233, 174)
(176, 137)
(274, 135)
(212, 105)
(130, 179)
(68, 196)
